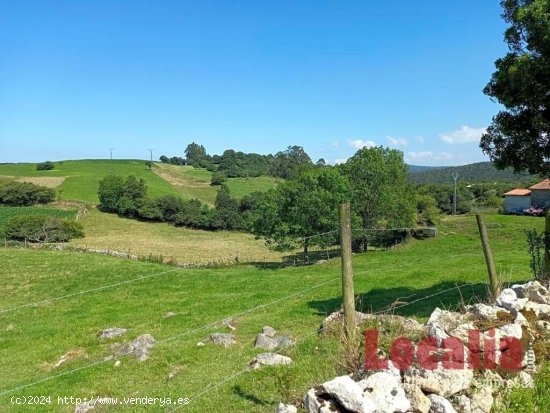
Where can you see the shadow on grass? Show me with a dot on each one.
(237, 390)
(410, 302)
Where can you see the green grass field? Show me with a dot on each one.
(180, 244)
(82, 177)
(34, 338)
(195, 183)
(79, 180)
(8, 212)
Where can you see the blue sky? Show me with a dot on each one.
(78, 77)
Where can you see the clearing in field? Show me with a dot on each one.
(179, 244)
(419, 275)
(194, 183)
(49, 181)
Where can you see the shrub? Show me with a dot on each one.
(45, 166)
(25, 194)
(42, 228)
(218, 178)
(122, 195)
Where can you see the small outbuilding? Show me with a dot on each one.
(540, 194)
(517, 200)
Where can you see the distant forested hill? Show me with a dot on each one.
(476, 172)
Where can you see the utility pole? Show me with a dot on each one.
(111, 152)
(455, 176)
(348, 296)
(151, 153)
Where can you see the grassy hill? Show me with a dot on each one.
(473, 173)
(195, 183)
(32, 342)
(78, 180)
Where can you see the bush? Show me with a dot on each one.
(25, 194)
(45, 166)
(218, 178)
(42, 228)
(122, 195)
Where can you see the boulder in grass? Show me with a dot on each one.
(112, 332)
(269, 359)
(139, 348)
(223, 338)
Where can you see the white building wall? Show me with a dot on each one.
(514, 203)
(540, 198)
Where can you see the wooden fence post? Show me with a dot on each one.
(348, 296)
(493, 278)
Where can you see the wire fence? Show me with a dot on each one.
(368, 234)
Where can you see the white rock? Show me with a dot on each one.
(483, 399)
(540, 310)
(286, 408)
(266, 342)
(269, 359)
(420, 403)
(440, 405)
(140, 347)
(444, 382)
(386, 391)
(317, 402)
(484, 311)
(227, 340)
(112, 332)
(350, 395)
(269, 331)
(535, 292)
(506, 298)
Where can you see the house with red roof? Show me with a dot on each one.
(518, 200)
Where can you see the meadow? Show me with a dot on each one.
(7, 213)
(294, 300)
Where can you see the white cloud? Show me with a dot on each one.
(429, 157)
(335, 144)
(360, 143)
(420, 156)
(396, 141)
(463, 135)
(420, 139)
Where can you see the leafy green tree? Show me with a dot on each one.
(122, 195)
(227, 210)
(218, 178)
(195, 154)
(381, 193)
(45, 166)
(163, 159)
(290, 163)
(519, 135)
(428, 212)
(42, 228)
(25, 194)
(301, 207)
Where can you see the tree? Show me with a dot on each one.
(195, 154)
(227, 210)
(519, 135)
(218, 178)
(301, 207)
(381, 193)
(45, 166)
(42, 228)
(25, 194)
(290, 163)
(122, 195)
(163, 159)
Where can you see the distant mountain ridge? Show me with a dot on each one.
(472, 173)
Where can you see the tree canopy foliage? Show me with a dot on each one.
(519, 134)
(290, 162)
(25, 194)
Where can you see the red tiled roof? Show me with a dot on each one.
(518, 192)
(542, 185)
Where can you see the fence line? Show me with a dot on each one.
(303, 338)
(83, 292)
(177, 336)
(213, 324)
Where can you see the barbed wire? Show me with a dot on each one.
(83, 292)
